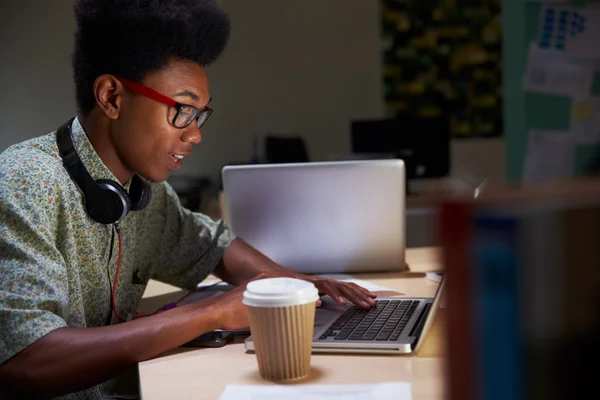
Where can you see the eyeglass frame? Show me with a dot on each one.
(152, 94)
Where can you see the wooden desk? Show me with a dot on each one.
(204, 373)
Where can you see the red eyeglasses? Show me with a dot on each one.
(186, 114)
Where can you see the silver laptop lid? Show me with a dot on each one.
(321, 217)
(430, 317)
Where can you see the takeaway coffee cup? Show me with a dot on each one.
(282, 318)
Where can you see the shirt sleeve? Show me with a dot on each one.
(33, 285)
(194, 243)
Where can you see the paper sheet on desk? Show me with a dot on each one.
(380, 391)
(349, 278)
(585, 121)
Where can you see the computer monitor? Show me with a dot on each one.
(422, 143)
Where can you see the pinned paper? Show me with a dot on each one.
(572, 30)
(549, 156)
(581, 111)
(552, 72)
(585, 121)
(557, 23)
(582, 43)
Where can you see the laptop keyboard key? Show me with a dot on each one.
(356, 337)
(385, 321)
(343, 335)
(344, 318)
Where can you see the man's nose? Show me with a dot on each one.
(192, 134)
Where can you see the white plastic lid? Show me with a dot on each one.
(279, 292)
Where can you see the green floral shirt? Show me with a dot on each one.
(54, 259)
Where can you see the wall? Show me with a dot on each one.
(36, 40)
(479, 158)
(292, 67)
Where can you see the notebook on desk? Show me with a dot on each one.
(397, 325)
(321, 217)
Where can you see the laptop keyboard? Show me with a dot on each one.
(383, 322)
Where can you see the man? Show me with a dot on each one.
(69, 291)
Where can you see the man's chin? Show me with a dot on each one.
(154, 178)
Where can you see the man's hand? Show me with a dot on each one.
(339, 291)
(233, 314)
(230, 312)
(242, 263)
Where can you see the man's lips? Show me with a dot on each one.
(177, 156)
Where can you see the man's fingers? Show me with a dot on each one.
(334, 293)
(367, 293)
(358, 296)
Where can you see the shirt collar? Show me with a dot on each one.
(88, 156)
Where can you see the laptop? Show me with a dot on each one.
(321, 217)
(397, 325)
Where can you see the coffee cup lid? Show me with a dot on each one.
(279, 292)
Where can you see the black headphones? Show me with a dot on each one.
(105, 201)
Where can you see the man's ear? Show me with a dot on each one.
(108, 92)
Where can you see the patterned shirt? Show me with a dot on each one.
(54, 259)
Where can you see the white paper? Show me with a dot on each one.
(585, 121)
(349, 278)
(557, 23)
(549, 156)
(434, 276)
(380, 391)
(571, 30)
(552, 72)
(582, 42)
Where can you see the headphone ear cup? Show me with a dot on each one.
(140, 193)
(112, 205)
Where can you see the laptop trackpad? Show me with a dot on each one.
(327, 313)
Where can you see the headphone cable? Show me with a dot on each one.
(176, 302)
(114, 286)
(113, 289)
(112, 243)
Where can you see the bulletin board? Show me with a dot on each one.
(551, 132)
(443, 57)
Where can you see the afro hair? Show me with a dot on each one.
(132, 38)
